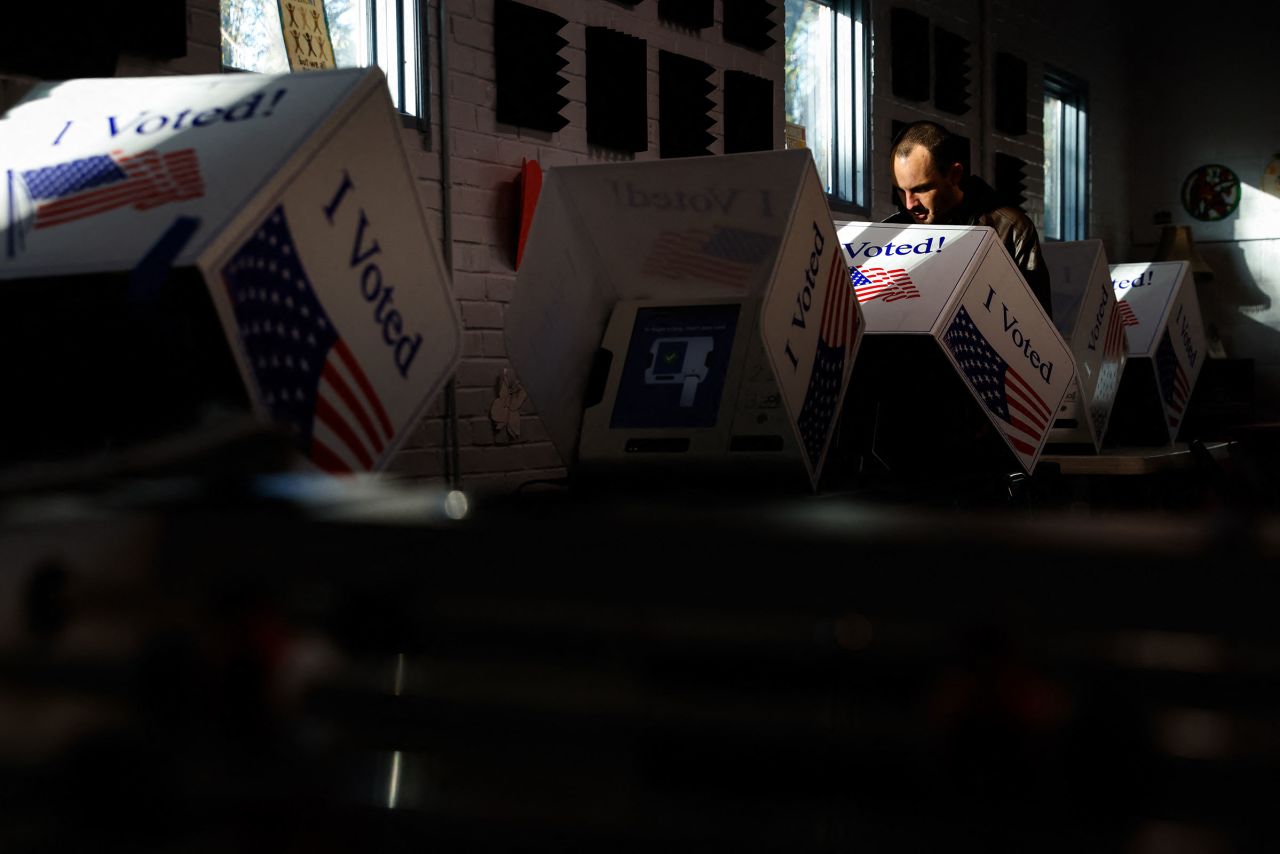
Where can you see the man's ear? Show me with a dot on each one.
(956, 173)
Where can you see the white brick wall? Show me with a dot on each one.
(485, 160)
(204, 54)
(486, 156)
(1073, 37)
(204, 47)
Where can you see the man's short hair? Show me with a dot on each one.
(943, 146)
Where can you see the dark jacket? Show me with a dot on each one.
(981, 206)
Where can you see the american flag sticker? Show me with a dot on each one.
(1174, 387)
(837, 335)
(1022, 414)
(1127, 317)
(877, 283)
(79, 189)
(1113, 346)
(729, 256)
(307, 376)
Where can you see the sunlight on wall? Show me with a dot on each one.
(1258, 229)
(1258, 215)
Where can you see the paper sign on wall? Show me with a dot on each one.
(305, 26)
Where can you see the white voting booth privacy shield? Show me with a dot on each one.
(958, 286)
(711, 297)
(1089, 317)
(1165, 334)
(292, 198)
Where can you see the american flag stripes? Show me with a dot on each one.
(1024, 416)
(730, 256)
(1127, 317)
(1113, 343)
(1174, 387)
(78, 189)
(306, 374)
(836, 335)
(872, 283)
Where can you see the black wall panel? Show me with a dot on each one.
(617, 113)
(683, 106)
(748, 112)
(749, 22)
(526, 46)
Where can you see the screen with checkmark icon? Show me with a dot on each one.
(675, 368)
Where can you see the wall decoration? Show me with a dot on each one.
(748, 112)
(793, 136)
(1211, 192)
(909, 54)
(683, 106)
(695, 14)
(526, 47)
(1271, 177)
(951, 75)
(1011, 95)
(528, 186)
(617, 112)
(504, 412)
(305, 27)
(748, 22)
(1010, 179)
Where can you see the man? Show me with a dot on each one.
(932, 188)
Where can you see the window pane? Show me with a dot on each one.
(251, 36)
(349, 30)
(810, 80)
(408, 56)
(860, 118)
(1066, 157)
(1052, 167)
(363, 32)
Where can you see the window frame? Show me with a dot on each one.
(400, 61)
(850, 150)
(1072, 170)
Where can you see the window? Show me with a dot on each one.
(826, 93)
(363, 32)
(1066, 157)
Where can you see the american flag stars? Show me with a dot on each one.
(307, 376)
(1023, 414)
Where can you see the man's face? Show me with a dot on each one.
(927, 194)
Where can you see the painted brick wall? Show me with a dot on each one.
(1077, 38)
(485, 159)
(204, 53)
(1204, 101)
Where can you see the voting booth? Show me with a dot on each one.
(231, 240)
(1166, 349)
(1086, 312)
(686, 315)
(961, 367)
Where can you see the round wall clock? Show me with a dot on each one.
(1271, 177)
(1211, 192)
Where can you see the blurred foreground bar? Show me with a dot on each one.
(313, 665)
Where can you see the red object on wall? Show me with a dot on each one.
(528, 186)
